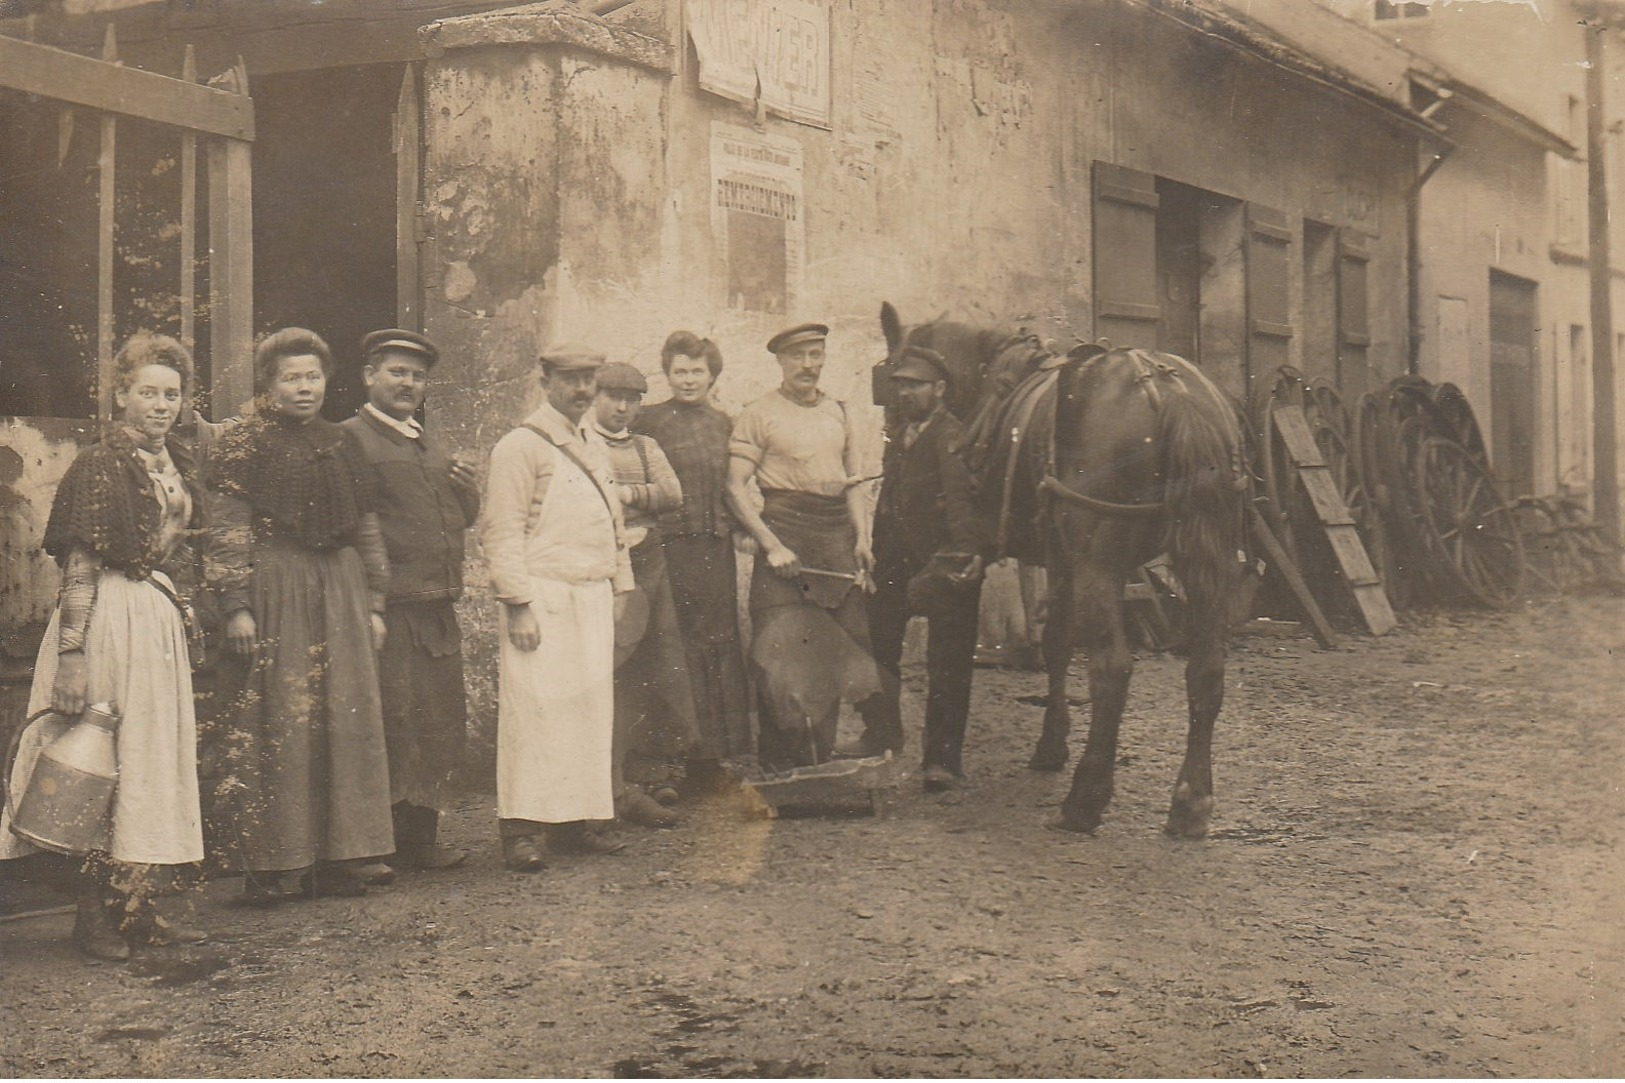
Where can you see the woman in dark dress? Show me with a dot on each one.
(302, 578)
(699, 548)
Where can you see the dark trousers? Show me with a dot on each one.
(950, 650)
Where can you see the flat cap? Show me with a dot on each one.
(571, 355)
(801, 332)
(919, 363)
(619, 376)
(398, 338)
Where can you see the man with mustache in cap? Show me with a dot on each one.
(930, 543)
(427, 499)
(554, 543)
(810, 637)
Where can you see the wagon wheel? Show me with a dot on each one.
(1453, 406)
(1469, 528)
(1548, 550)
(1399, 437)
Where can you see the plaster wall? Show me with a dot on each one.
(568, 194)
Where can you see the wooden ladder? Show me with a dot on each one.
(1361, 578)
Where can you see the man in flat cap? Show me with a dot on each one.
(654, 707)
(810, 636)
(930, 543)
(427, 499)
(558, 562)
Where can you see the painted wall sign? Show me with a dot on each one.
(778, 46)
(758, 215)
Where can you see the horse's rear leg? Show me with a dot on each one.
(1192, 805)
(1051, 753)
(1098, 603)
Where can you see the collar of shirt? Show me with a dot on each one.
(560, 428)
(622, 437)
(408, 428)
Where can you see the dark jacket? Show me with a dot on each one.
(422, 515)
(925, 498)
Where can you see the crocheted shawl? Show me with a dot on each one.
(105, 506)
(305, 482)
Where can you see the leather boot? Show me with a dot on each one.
(573, 837)
(94, 932)
(418, 846)
(139, 919)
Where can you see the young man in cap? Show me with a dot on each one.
(810, 641)
(427, 499)
(654, 709)
(930, 542)
(559, 566)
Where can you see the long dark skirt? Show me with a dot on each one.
(705, 588)
(307, 744)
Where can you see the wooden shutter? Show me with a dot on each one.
(1125, 234)
(1353, 314)
(1269, 298)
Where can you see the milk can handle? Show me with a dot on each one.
(11, 759)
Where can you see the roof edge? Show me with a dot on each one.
(552, 22)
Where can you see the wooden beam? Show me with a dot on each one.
(83, 80)
(408, 154)
(231, 276)
(106, 204)
(1318, 625)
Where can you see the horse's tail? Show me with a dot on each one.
(1198, 432)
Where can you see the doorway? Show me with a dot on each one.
(1512, 382)
(325, 212)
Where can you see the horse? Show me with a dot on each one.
(1140, 455)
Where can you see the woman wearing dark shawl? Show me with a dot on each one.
(302, 575)
(121, 527)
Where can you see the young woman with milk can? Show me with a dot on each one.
(116, 648)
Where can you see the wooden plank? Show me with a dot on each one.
(1323, 494)
(231, 276)
(1374, 606)
(1351, 556)
(106, 203)
(82, 80)
(1318, 625)
(408, 157)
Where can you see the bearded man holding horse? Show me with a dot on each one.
(1094, 465)
(930, 543)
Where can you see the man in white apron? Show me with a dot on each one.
(553, 544)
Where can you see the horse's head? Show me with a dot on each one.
(967, 351)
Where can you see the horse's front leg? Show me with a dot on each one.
(1192, 805)
(1052, 752)
(1098, 605)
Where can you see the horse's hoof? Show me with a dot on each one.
(1191, 832)
(1071, 823)
(1046, 760)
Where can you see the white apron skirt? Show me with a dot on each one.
(136, 658)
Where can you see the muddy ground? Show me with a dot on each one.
(1415, 870)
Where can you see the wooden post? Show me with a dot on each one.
(189, 218)
(1605, 448)
(106, 223)
(408, 141)
(231, 276)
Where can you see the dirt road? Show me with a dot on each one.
(1415, 870)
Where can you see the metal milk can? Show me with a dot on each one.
(68, 805)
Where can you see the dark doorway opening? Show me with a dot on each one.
(1513, 334)
(324, 211)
